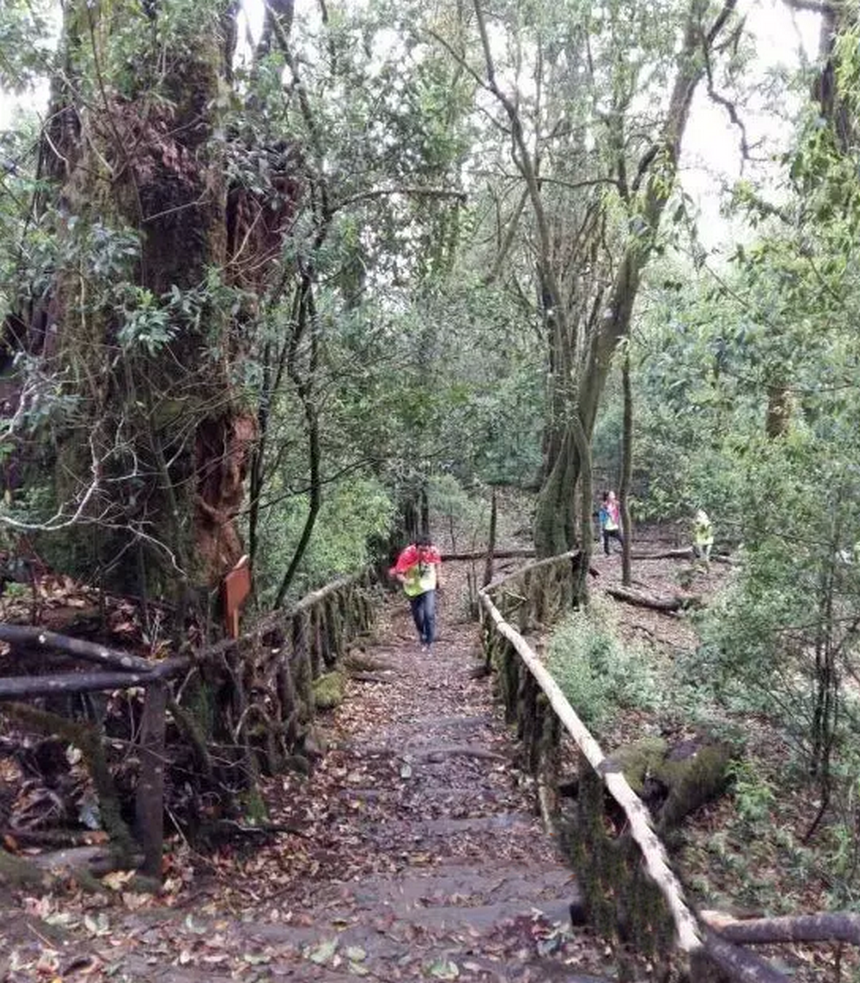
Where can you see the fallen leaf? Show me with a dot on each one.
(444, 969)
(117, 879)
(323, 952)
(98, 925)
(134, 901)
(256, 959)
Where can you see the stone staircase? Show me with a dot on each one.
(423, 857)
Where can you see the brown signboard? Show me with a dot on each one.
(235, 588)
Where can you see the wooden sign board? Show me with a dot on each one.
(235, 588)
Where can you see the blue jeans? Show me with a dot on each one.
(424, 614)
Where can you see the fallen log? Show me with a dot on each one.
(96, 860)
(678, 602)
(673, 554)
(51, 837)
(740, 964)
(88, 651)
(824, 927)
(231, 827)
(19, 687)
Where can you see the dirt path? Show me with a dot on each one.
(417, 855)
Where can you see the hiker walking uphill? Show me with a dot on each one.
(703, 536)
(417, 568)
(610, 520)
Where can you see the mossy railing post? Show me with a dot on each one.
(150, 785)
(249, 699)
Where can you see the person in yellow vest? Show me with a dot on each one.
(417, 568)
(703, 536)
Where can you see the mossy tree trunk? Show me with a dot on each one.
(626, 468)
(587, 336)
(151, 303)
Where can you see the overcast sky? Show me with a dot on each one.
(712, 156)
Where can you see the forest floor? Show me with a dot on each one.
(747, 854)
(413, 850)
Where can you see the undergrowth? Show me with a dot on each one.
(598, 673)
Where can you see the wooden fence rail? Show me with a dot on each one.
(231, 710)
(630, 892)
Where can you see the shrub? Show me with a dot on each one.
(597, 674)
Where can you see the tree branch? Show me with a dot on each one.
(406, 191)
(17, 687)
(37, 638)
(824, 927)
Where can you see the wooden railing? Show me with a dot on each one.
(630, 892)
(238, 707)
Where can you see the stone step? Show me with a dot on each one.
(456, 884)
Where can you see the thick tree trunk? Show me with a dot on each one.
(626, 469)
(144, 326)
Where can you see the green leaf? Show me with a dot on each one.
(444, 969)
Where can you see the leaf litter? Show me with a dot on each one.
(416, 855)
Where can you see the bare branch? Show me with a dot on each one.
(406, 191)
(813, 6)
(57, 521)
(16, 687)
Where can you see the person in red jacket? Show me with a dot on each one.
(417, 568)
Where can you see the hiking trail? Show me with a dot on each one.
(412, 851)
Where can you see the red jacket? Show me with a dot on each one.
(410, 556)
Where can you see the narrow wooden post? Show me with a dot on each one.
(491, 544)
(150, 785)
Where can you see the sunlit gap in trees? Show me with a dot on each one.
(783, 39)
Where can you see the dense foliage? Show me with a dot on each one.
(286, 283)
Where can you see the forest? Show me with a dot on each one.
(285, 284)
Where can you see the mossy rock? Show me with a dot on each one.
(329, 690)
(674, 781)
(640, 759)
(17, 873)
(693, 780)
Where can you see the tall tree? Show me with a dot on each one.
(143, 323)
(595, 224)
